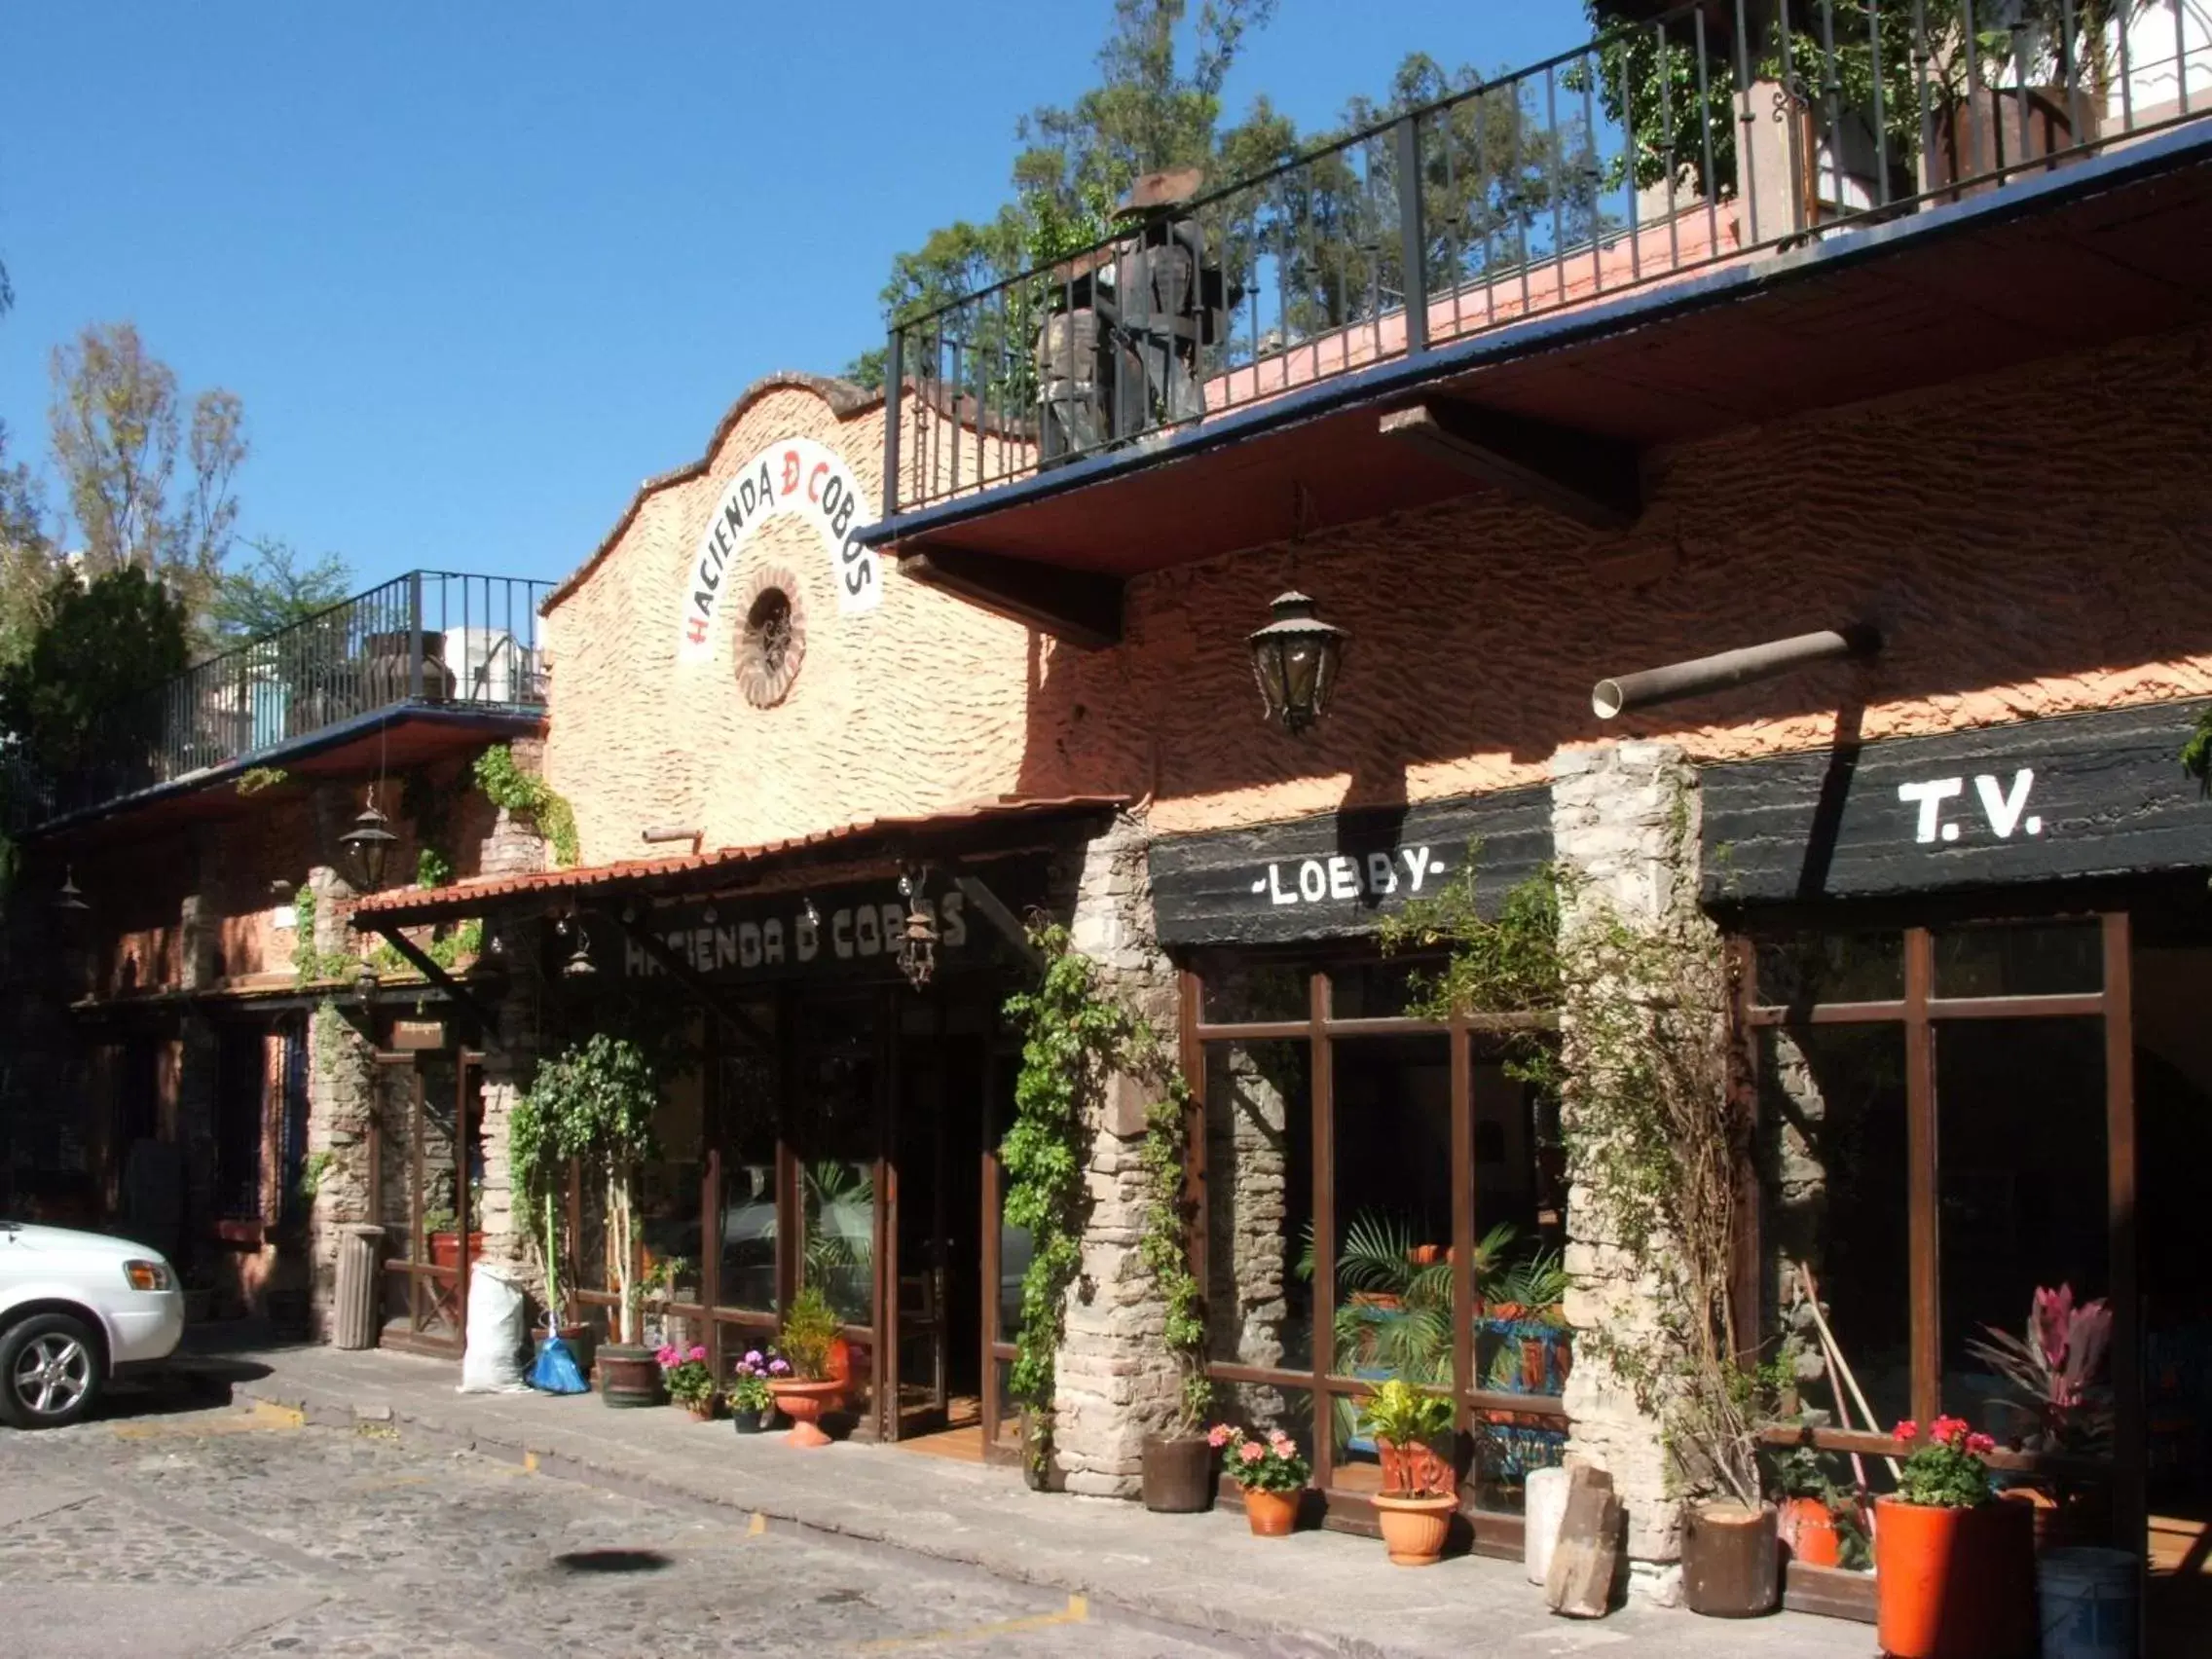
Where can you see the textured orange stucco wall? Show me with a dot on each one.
(917, 705)
(2031, 543)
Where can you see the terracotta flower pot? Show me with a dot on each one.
(702, 1410)
(1178, 1474)
(1414, 1528)
(1730, 1560)
(804, 1403)
(1954, 1583)
(1270, 1514)
(1808, 1532)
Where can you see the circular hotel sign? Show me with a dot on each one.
(796, 475)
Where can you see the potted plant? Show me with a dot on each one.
(1269, 1472)
(1731, 1536)
(1420, 1490)
(752, 1391)
(594, 1104)
(1806, 1521)
(689, 1384)
(2060, 1403)
(808, 1334)
(1954, 1570)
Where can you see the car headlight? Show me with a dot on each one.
(148, 1276)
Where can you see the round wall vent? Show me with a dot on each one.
(774, 643)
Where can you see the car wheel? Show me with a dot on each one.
(49, 1371)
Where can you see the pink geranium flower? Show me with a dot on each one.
(1250, 1452)
(1219, 1435)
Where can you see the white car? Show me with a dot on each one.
(75, 1308)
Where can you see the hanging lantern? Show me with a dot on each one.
(368, 846)
(365, 980)
(579, 965)
(916, 950)
(69, 899)
(1295, 658)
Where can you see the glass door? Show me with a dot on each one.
(836, 1175)
(425, 1162)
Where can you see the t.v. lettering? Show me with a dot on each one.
(2003, 807)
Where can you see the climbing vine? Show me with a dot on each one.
(506, 785)
(255, 779)
(2197, 753)
(309, 964)
(1075, 1038)
(1507, 963)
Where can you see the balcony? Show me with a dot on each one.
(1819, 202)
(389, 677)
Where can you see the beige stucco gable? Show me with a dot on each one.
(909, 705)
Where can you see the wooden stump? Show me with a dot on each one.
(1730, 1566)
(1587, 1560)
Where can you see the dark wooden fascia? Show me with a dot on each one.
(1083, 607)
(1593, 480)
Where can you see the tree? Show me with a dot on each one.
(26, 558)
(273, 590)
(1146, 114)
(120, 434)
(79, 693)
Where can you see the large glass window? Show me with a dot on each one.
(747, 1276)
(1377, 1206)
(1935, 1118)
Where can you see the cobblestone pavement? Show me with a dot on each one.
(213, 1530)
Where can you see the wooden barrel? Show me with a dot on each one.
(628, 1376)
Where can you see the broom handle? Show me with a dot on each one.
(1835, 1357)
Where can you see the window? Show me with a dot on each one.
(1384, 1196)
(1935, 1113)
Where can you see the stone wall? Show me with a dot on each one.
(1115, 1381)
(1624, 822)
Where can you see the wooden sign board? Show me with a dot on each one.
(413, 1036)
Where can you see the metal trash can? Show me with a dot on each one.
(358, 1269)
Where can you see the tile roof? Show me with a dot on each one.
(702, 871)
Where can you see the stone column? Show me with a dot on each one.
(1625, 835)
(341, 1096)
(1115, 1381)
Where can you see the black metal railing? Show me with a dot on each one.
(428, 636)
(1715, 132)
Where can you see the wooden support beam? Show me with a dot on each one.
(445, 982)
(1081, 606)
(1591, 480)
(995, 911)
(734, 1019)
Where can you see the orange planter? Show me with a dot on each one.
(1809, 1532)
(1271, 1514)
(1954, 1583)
(804, 1403)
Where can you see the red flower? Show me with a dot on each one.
(1980, 1445)
(1949, 1429)
(1908, 1431)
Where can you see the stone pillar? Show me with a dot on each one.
(1625, 835)
(341, 1095)
(1115, 1381)
(507, 1070)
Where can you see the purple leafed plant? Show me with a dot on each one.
(2058, 1366)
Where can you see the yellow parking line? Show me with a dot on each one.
(757, 1526)
(1077, 1612)
(262, 1419)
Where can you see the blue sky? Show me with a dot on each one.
(476, 270)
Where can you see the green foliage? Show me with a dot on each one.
(809, 1332)
(1945, 1468)
(2197, 753)
(593, 1103)
(433, 868)
(1260, 1464)
(1404, 1415)
(255, 779)
(312, 1169)
(506, 785)
(121, 434)
(79, 693)
(1508, 963)
(311, 966)
(272, 591)
(447, 946)
(1075, 1038)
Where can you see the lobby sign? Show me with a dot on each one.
(791, 476)
(2035, 800)
(1336, 874)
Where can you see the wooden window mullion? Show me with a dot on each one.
(1922, 1175)
(1321, 1070)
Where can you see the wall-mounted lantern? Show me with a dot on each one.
(368, 847)
(1295, 659)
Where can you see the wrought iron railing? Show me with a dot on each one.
(1717, 131)
(430, 637)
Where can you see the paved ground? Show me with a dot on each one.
(197, 1530)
